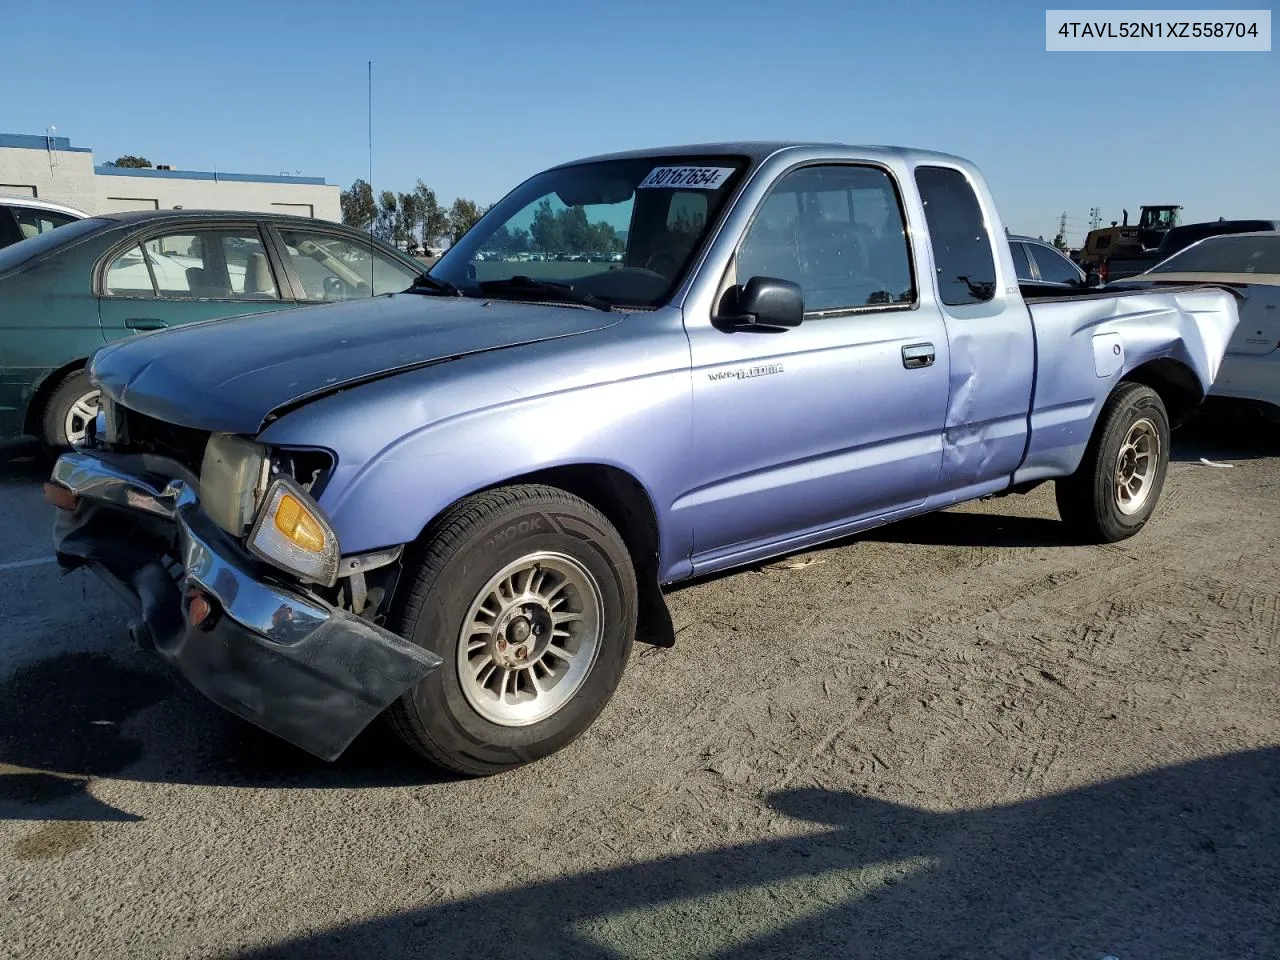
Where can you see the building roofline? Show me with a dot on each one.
(104, 170)
(35, 141)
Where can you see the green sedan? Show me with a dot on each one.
(67, 292)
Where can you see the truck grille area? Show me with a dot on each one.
(148, 435)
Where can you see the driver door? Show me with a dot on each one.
(801, 432)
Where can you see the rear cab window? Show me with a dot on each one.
(962, 253)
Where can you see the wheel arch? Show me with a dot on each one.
(626, 504)
(1176, 383)
(43, 390)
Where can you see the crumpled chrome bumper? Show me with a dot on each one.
(288, 662)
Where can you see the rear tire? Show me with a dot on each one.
(1112, 494)
(529, 595)
(73, 403)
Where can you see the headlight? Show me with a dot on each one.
(292, 533)
(232, 479)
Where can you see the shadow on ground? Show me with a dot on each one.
(23, 462)
(63, 722)
(1179, 862)
(1225, 433)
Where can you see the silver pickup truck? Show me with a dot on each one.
(460, 503)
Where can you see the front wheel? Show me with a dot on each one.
(1113, 492)
(529, 595)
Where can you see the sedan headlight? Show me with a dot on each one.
(233, 477)
(292, 533)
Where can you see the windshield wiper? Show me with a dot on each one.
(425, 283)
(562, 291)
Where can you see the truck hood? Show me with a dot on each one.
(231, 374)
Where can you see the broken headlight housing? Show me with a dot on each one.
(271, 493)
(233, 478)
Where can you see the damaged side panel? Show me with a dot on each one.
(1086, 345)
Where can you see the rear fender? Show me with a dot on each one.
(1172, 340)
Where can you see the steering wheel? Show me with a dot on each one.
(671, 257)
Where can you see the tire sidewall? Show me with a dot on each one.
(438, 701)
(1144, 404)
(53, 422)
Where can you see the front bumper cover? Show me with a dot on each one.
(286, 661)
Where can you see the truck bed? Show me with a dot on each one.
(1086, 340)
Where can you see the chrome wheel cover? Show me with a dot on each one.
(530, 639)
(76, 423)
(1136, 466)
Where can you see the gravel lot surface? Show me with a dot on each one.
(952, 737)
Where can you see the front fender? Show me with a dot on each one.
(409, 446)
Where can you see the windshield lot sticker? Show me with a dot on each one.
(698, 178)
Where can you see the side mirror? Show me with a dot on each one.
(1093, 278)
(765, 303)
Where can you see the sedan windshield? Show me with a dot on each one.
(1231, 254)
(613, 232)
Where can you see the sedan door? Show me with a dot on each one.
(797, 434)
(182, 273)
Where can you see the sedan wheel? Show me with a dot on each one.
(65, 419)
(76, 422)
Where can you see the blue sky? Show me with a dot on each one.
(474, 97)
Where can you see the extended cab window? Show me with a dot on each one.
(838, 232)
(961, 246)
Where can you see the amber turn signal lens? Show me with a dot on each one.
(295, 522)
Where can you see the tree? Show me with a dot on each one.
(384, 224)
(129, 160)
(462, 217)
(358, 208)
(433, 219)
(505, 240)
(545, 229)
(407, 219)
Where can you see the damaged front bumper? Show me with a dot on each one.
(292, 664)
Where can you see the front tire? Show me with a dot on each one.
(73, 403)
(529, 595)
(1114, 491)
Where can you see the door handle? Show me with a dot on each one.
(145, 323)
(917, 355)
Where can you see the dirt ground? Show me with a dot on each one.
(952, 737)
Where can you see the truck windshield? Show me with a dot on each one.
(622, 232)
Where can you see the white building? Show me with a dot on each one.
(51, 169)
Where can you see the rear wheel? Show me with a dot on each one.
(529, 595)
(73, 403)
(1114, 491)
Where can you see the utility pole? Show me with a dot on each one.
(1061, 239)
